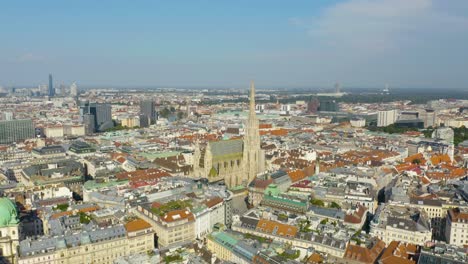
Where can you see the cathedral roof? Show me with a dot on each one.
(226, 147)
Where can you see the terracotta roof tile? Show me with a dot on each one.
(177, 215)
(279, 229)
(137, 225)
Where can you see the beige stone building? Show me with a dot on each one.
(174, 228)
(456, 229)
(98, 246)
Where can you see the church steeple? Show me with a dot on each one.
(252, 98)
(253, 156)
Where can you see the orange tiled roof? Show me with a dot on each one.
(456, 215)
(296, 175)
(264, 126)
(136, 225)
(418, 156)
(314, 258)
(437, 159)
(356, 216)
(448, 172)
(406, 167)
(363, 254)
(268, 226)
(178, 215)
(398, 253)
(424, 180)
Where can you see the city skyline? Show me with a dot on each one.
(129, 133)
(407, 44)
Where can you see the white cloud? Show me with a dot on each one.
(376, 26)
(29, 57)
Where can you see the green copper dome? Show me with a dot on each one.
(272, 190)
(8, 213)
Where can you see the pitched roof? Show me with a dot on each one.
(456, 215)
(398, 253)
(296, 175)
(136, 225)
(177, 215)
(364, 254)
(276, 228)
(437, 159)
(356, 216)
(213, 201)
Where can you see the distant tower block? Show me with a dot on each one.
(337, 88)
(385, 90)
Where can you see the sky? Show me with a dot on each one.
(201, 43)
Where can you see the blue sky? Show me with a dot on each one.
(196, 43)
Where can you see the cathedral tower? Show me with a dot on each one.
(252, 151)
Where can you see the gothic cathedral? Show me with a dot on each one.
(235, 161)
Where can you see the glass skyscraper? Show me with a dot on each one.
(51, 86)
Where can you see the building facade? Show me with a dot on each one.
(98, 246)
(386, 118)
(148, 111)
(16, 130)
(456, 230)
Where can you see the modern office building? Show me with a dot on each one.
(386, 118)
(7, 116)
(16, 130)
(73, 90)
(148, 111)
(102, 116)
(51, 86)
(96, 117)
(329, 106)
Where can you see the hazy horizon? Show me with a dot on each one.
(208, 44)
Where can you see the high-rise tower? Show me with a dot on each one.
(253, 155)
(148, 112)
(73, 89)
(51, 86)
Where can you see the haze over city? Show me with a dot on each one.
(297, 44)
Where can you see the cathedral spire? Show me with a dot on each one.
(252, 97)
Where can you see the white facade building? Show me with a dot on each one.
(386, 118)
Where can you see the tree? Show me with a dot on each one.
(180, 115)
(62, 207)
(164, 112)
(335, 205)
(317, 202)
